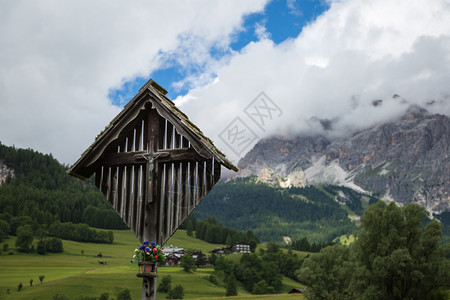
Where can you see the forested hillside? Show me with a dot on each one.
(318, 213)
(41, 194)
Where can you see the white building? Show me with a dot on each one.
(175, 251)
(242, 247)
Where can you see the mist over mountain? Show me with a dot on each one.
(405, 160)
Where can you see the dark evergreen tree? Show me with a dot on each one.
(190, 228)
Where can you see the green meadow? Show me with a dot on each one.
(76, 272)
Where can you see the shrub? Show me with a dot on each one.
(24, 238)
(54, 245)
(165, 285)
(188, 263)
(124, 295)
(41, 248)
(176, 293)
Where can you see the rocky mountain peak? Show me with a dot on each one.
(404, 160)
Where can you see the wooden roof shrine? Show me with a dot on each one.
(152, 164)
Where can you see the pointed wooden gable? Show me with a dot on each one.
(152, 164)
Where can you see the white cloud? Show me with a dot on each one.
(356, 52)
(59, 59)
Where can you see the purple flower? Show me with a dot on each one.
(146, 243)
(141, 247)
(147, 249)
(153, 244)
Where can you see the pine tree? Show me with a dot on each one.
(190, 228)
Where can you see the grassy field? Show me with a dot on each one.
(75, 274)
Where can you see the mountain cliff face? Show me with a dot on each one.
(5, 173)
(406, 160)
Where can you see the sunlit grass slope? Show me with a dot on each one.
(76, 272)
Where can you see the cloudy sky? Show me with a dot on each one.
(241, 70)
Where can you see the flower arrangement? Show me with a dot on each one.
(149, 252)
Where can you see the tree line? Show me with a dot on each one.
(41, 195)
(80, 233)
(259, 273)
(272, 213)
(212, 231)
(42, 190)
(304, 245)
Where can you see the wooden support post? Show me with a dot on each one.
(148, 288)
(148, 285)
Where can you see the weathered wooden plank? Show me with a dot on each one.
(129, 142)
(162, 133)
(102, 179)
(184, 143)
(159, 207)
(217, 169)
(176, 196)
(176, 139)
(132, 198)
(165, 202)
(123, 185)
(145, 135)
(127, 184)
(98, 177)
(193, 185)
(127, 195)
(161, 202)
(139, 136)
(200, 182)
(108, 186)
(114, 194)
(208, 176)
(119, 190)
(170, 202)
(182, 193)
(136, 202)
(169, 135)
(140, 205)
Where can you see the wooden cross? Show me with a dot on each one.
(153, 165)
